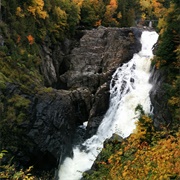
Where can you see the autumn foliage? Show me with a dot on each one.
(37, 9)
(139, 159)
(146, 155)
(30, 39)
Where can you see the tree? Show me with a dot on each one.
(111, 14)
(36, 9)
(152, 9)
(88, 14)
(129, 11)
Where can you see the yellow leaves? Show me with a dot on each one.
(176, 168)
(152, 7)
(9, 171)
(36, 9)
(2, 153)
(78, 2)
(124, 174)
(41, 14)
(39, 3)
(32, 10)
(174, 100)
(19, 12)
(145, 4)
(138, 159)
(141, 157)
(60, 14)
(119, 15)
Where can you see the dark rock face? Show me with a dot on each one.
(54, 119)
(161, 114)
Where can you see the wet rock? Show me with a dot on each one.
(79, 71)
(161, 113)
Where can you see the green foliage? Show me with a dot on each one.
(3, 80)
(14, 110)
(92, 13)
(130, 11)
(8, 171)
(168, 58)
(19, 102)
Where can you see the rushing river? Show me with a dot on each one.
(129, 87)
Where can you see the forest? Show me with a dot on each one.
(149, 153)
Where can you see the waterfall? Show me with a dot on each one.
(129, 87)
(150, 24)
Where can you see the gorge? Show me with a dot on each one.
(77, 74)
(129, 88)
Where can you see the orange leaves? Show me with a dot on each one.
(144, 146)
(30, 39)
(113, 3)
(98, 23)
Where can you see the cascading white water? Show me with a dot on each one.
(129, 88)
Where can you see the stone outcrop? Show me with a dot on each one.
(161, 113)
